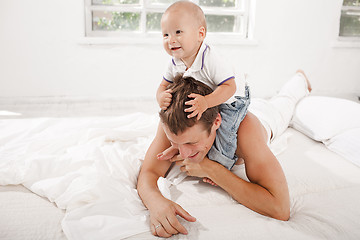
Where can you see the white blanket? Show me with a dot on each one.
(89, 166)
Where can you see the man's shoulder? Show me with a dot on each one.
(251, 139)
(250, 129)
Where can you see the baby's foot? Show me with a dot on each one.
(209, 181)
(307, 80)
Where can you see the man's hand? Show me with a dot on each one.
(163, 221)
(191, 168)
(198, 105)
(195, 169)
(164, 99)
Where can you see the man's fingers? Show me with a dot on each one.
(184, 214)
(168, 227)
(152, 229)
(161, 232)
(177, 225)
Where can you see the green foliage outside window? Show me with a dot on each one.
(114, 2)
(123, 21)
(217, 3)
(351, 3)
(130, 21)
(350, 19)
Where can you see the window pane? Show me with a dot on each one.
(113, 2)
(350, 23)
(162, 2)
(217, 3)
(351, 3)
(115, 21)
(220, 23)
(153, 22)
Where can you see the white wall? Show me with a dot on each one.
(40, 54)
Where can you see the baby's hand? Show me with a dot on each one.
(168, 153)
(165, 99)
(209, 181)
(199, 105)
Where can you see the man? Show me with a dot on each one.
(266, 193)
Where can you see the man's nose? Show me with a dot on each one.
(184, 151)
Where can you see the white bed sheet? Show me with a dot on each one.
(25, 215)
(89, 166)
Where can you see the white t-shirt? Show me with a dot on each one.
(208, 68)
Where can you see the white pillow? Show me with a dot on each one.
(346, 144)
(321, 118)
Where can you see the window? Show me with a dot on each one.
(350, 20)
(116, 18)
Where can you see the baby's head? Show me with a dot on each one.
(186, 9)
(183, 27)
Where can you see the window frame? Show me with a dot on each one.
(347, 38)
(102, 37)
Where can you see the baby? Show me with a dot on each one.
(183, 28)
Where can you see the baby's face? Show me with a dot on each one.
(182, 36)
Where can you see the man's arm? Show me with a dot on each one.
(267, 192)
(270, 193)
(162, 211)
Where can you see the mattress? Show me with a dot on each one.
(75, 178)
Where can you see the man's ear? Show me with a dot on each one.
(202, 33)
(217, 121)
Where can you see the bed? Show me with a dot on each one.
(75, 178)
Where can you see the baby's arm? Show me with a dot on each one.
(168, 153)
(200, 103)
(163, 96)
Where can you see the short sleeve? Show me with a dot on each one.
(169, 73)
(219, 70)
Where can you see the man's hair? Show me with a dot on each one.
(175, 118)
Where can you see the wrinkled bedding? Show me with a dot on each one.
(88, 168)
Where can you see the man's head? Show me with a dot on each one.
(175, 118)
(192, 137)
(183, 27)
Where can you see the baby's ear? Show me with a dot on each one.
(202, 33)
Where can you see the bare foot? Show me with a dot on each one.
(307, 80)
(209, 181)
